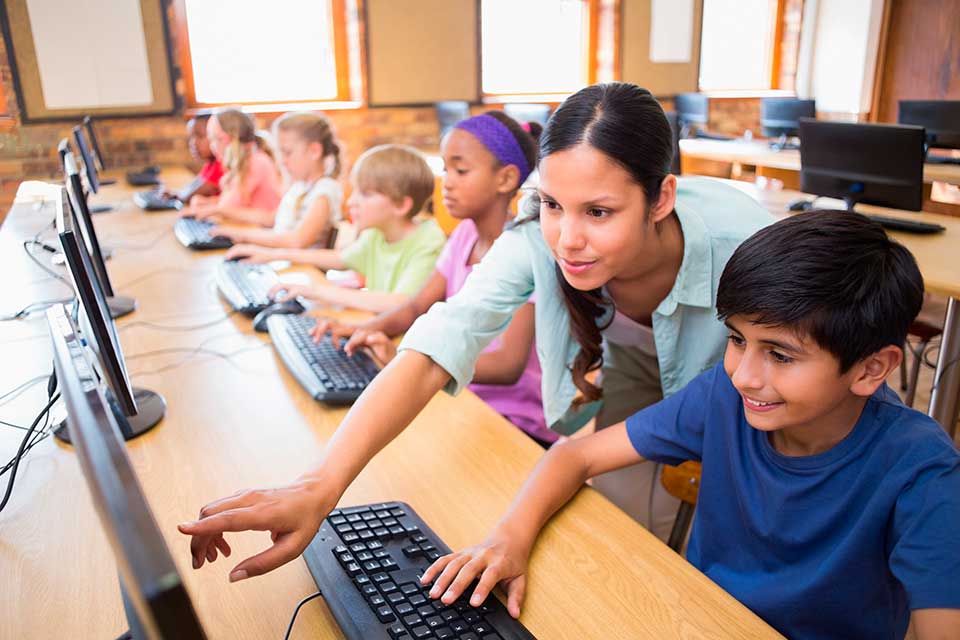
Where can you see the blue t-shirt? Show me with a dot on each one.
(842, 544)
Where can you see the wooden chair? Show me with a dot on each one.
(927, 326)
(683, 483)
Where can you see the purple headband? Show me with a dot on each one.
(496, 137)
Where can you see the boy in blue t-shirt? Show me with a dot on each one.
(826, 506)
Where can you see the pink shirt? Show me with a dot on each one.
(261, 188)
(519, 403)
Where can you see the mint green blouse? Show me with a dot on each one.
(714, 217)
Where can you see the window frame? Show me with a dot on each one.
(774, 58)
(348, 96)
(552, 97)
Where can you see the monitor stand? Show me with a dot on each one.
(101, 208)
(150, 410)
(121, 305)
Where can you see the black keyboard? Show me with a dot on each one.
(244, 286)
(195, 234)
(941, 160)
(154, 201)
(909, 226)
(327, 373)
(368, 560)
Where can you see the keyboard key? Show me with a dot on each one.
(353, 569)
(471, 617)
(412, 619)
(412, 551)
(396, 598)
(403, 608)
(443, 633)
(448, 615)
(425, 611)
(482, 628)
(417, 600)
(469, 636)
(434, 621)
(368, 590)
(357, 547)
(385, 614)
(363, 556)
(396, 630)
(379, 577)
(421, 632)
(381, 554)
(409, 588)
(459, 626)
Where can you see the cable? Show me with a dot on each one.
(14, 464)
(23, 386)
(41, 305)
(26, 247)
(191, 352)
(184, 327)
(293, 618)
(151, 274)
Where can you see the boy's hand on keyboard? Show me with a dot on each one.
(498, 559)
(249, 253)
(292, 514)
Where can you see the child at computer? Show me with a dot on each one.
(250, 188)
(311, 207)
(826, 506)
(207, 182)
(487, 158)
(394, 252)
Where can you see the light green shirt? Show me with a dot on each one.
(396, 267)
(715, 218)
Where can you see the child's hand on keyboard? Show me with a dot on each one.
(376, 342)
(200, 211)
(283, 291)
(334, 327)
(249, 253)
(501, 558)
(233, 233)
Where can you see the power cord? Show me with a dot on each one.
(191, 353)
(141, 247)
(30, 439)
(183, 327)
(34, 307)
(293, 618)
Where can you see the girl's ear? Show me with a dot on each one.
(508, 179)
(665, 204)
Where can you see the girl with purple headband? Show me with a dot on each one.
(625, 260)
(487, 158)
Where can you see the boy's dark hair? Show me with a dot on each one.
(833, 275)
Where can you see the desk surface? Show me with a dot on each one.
(244, 422)
(936, 254)
(760, 154)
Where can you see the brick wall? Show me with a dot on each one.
(29, 151)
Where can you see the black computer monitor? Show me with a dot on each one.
(155, 599)
(449, 113)
(118, 305)
(138, 409)
(877, 164)
(780, 117)
(94, 144)
(675, 134)
(538, 113)
(940, 119)
(87, 157)
(692, 109)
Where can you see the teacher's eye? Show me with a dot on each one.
(736, 340)
(549, 204)
(598, 213)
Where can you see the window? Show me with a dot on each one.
(737, 44)
(536, 47)
(245, 52)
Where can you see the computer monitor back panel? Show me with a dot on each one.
(102, 332)
(691, 108)
(449, 113)
(90, 169)
(940, 119)
(155, 599)
(868, 163)
(781, 116)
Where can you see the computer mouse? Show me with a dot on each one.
(287, 306)
(800, 205)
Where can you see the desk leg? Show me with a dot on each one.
(945, 399)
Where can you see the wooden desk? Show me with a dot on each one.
(245, 422)
(760, 154)
(939, 262)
